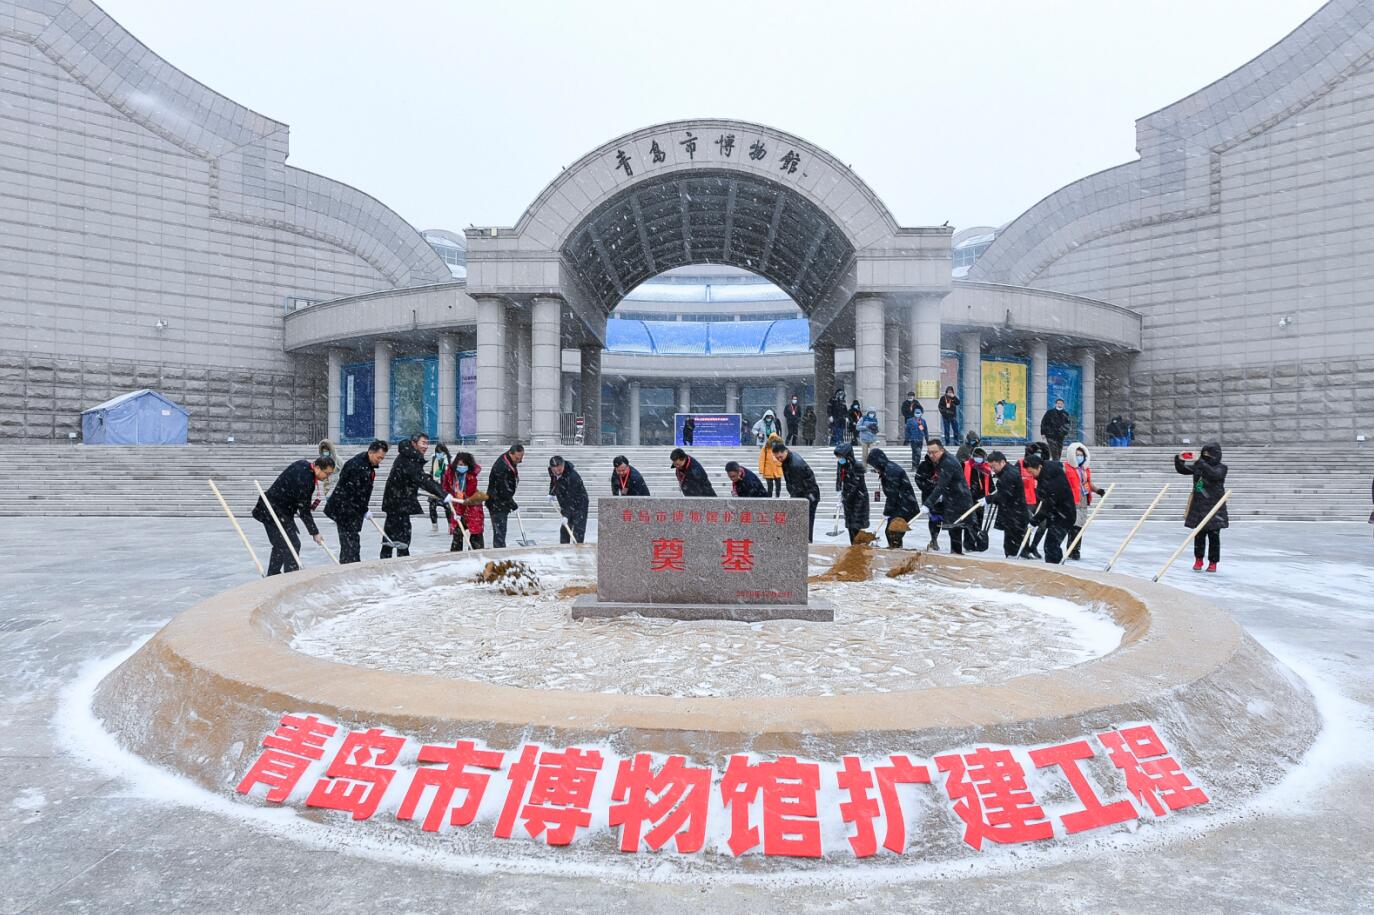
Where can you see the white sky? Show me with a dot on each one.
(460, 112)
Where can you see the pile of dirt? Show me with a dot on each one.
(854, 564)
(509, 575)
(911, 565)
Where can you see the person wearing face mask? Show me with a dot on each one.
(1209, 485)
(949, 416)
(770, 467)
(1080, 460)
(460, 481)
(852, 420)
(852, 484)
(837, 415)
(1054, 428)
(625, 479)
(917, 432)
(899, 498)
(868, 430)
(911, 406)
(809, 426)
(792, 418)
(978, 476)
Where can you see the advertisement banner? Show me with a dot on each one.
(1066, 383)
(1005, 400)
(710, 429)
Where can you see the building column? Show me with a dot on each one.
(1087, 360)
(522, 334)
(591, 392)
(381, 390)
(780, 399)
(448, 388)
(684, 397)
(923, 333)
(824, 357)
(1039, 387)
(634, 414)
(891, 415)
(732, 397)
(546, 369)
(870, 381)
(334, 382)
(493, 403)
(971, 381)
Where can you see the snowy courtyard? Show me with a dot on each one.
(93, 827)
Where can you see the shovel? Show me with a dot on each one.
(523, 541)
(387, 541)
(835, 528)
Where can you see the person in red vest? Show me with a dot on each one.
(460, 481)
(979, 478)
(1079, 460)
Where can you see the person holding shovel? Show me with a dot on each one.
(744, 483)
(1009, 495)
(460, 482)
(501, 484)
(566, 486)
(348, 506)
(900, 505)
(801, 482)
(625, 479)
(851, 482)
(950, 497)
(400, 499)
(290, 495)
(691, 476)
(1054, 496)
(1209, 485)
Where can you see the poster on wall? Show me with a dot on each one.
(1005, 401)
(714, 429)
(1066, 383)
(467, 396)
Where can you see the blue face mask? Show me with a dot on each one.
(977, 460)
(919, 413)
(1081, 459)
(841, 460)
(460, 468)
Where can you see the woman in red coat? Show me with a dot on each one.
(460, 481)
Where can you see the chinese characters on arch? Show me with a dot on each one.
(783, 806)
(693, 145)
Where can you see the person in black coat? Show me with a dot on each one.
(851, 482)
(501, 483)
(291, 495)
(691, 476)
(925, 484)
(910, 406)
(1054, 428)
(744, 483)
(837, 415)
(1209, 485)
(566, 486)
(899, 498)
(1009, 495)
(689, 430)
(1054, 499)
(625, 480)
(950, 495)
(349, 503)
(792, 419)
(400, 499)
(801, 482)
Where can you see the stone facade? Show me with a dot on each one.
(1242, 236)
(151, 235)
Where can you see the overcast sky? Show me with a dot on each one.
(460, 112)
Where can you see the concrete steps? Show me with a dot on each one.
(170, 481)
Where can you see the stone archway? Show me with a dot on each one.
(691, 192)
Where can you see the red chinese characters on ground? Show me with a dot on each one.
(770, 806)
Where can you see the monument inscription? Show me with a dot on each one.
(739, 559)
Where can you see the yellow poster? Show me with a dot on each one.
(1004, 399)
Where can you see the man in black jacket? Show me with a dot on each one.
(837, 417)
(290, 495)
(1009, 495)
(851, 482)
(565, 485)
(400, 498)
(899, 498)
(350, 502)
(801, 482)
(744, 483)
(1055, 501)
(1054, 428)
(792, 417)
(691, 476)
(910, 406)
(950, 495)
(501, 483)
(625, 479)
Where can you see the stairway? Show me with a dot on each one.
(169, 481)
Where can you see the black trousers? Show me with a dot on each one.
(397, 528)
(578, 523)
(457, 545)
(934, 528)
(956, 540)
(281, 560)
(498, 528)
(434, 511)
(972, 525)
(1073, 532)
(1210, 542)
(1013, 532)
(811, 528)
(350, 545)
(791, 435)
(1056, 531)
(1056, 447)
(774, 486)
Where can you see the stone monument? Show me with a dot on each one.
(700, 559)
